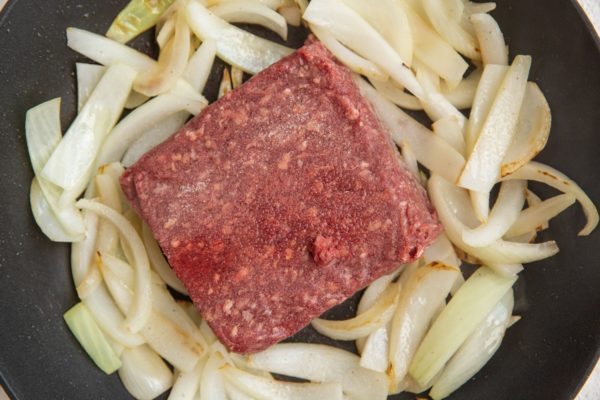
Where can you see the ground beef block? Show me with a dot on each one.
(281, 200)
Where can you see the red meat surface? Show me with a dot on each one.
(281, 200)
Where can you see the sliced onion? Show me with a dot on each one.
(248, 12)
(235, 46)
(434, 103)
(233, 393)
(465, 311)
(272, 4)
(363, 324)
(225, 85)
(396, 94)
(441, 250)
(346, 56)
(479, 8)
(432, 50)
(490, 38)
(451, 29)
(237, 77)
(390, 20)
(327, 364)
(45, 217)
(292, 15)
(410, 159)
(375, 353)
(536, 217)
(212, 384)
(347, 26)
(154, 136)
(535, 171)
(443, 195)
(187, 383)
(144, 374)
(159, 263)
(531, 132)
(106, 51)
(135, 18)
(449, 129)
(425, 290)
(88, 76)
(140, 310)
(506, 270)
(481, 205)
(504, 214)
(431, 151)
(165, 30)
(477, 349)
(136, 123)
(264, 388)
(483, 166)
(463, 94)
(488, 86)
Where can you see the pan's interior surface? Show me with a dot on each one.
(545, 356)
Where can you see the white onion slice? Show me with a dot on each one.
(505, 212)
(347, 26)
(363, 324)
(235, 46)
(233, 393)
(535, 171)
(450, 29)
(422, 295)
(483, 166)
(465, 311)
(237, 77)
(432, 50)
(490, 38)
(225, 85)
(212, 384)
(396, 94)
(375, 352)
(536, 217)
(187, 383)
(506, 270)
(327, 364)
(443, 195)
(346, 56)
(292, 15)
(200, 65)
(248, 12)
(531, 132)
(441, 250)
(477, 349)
(463, 95)
(72, 161)
(390, 20)
(272, 4)
(158, 261)
(140, 310)
(487, 88)
(267, 388)
(434, 103)
(88, 76)
(431, 151)
(472, 7)
(144, 374)
(449, 129)
(136, 123)
(154, 136)
(45, 217)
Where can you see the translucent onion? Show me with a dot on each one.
(135, 18)
(434, 103)
(88, 76)
(249, 12)
(443, 195)
(531, 132)
(292, 15)
(477, 349)
(45, 218)
(431, 150)
(449, 129)
(505, 212)
(535, 217)
(225, 85)
(138, 314)
(154, 136)
(346, 56)
(327, 364)
(363, 324)
(268, 388)
(441, 250)
(422, 295)
(187, 383)
(483, 166)
(159, 263)
(144, 374)
(212, 384)
(347, 26)
(235, 46)
(465, 311)
(450, 29)
(237, 77)
(535, 171)
(375, 352)
(396, 94)
(92, 339)
(490, 38)
(463, 94)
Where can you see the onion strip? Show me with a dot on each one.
(249, 12)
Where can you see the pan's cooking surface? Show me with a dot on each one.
(545, 356)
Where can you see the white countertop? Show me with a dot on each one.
(591, 389)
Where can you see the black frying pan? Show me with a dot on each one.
(547, 355)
